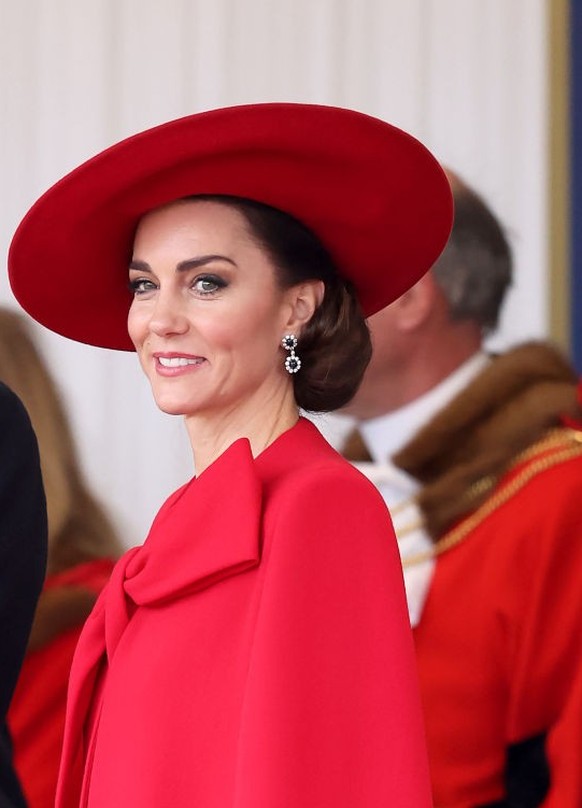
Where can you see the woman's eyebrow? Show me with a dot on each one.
(182, 266)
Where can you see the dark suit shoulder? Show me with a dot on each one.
(14, 419)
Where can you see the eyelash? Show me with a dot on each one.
(141, 286)
(134, 286)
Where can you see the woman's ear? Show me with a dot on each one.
(304, 298)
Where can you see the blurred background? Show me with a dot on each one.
(485, 84)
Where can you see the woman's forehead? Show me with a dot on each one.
(195, 220)
(186, 232)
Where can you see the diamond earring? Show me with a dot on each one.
(292, 362)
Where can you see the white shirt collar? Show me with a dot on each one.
(385, 435)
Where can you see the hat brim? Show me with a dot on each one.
(374, 195)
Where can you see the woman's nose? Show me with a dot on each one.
(167, 316)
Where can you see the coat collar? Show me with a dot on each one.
(208, 530)
(211, 528)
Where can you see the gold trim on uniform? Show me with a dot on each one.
(557, 446)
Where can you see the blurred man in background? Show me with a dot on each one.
(479, 459)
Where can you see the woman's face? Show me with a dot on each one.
(207, 315)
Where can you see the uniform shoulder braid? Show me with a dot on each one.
(558, 446)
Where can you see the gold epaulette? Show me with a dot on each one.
(556, 446)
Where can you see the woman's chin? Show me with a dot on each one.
(173, 407)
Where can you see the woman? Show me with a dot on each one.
(81, 547)
(255, 651)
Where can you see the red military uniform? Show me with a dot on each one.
(498, 643)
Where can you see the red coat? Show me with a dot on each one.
(499, 644)
(255, 652)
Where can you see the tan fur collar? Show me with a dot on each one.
(507, 408)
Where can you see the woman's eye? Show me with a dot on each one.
(139, 286)
(208, 284)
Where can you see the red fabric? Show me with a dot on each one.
(255, 652)
(37, 712)
(499, 648)
(375, 196)
(574, 423)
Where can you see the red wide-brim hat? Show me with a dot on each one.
(374, 195)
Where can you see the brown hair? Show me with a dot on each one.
(79, 529)
(335, 345)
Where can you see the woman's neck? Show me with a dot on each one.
(211, 435)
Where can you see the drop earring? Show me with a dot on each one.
(292, 362)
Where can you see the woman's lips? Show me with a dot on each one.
(176, 364)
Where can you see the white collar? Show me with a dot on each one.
(385, 435)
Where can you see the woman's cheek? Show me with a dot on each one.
(135, 328)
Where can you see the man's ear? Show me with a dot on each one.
(414, 307)
(304, 298)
